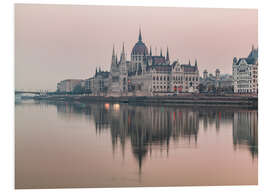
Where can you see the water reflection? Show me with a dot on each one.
(148, 127)
(245, 130)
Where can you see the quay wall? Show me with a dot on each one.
(229, 101)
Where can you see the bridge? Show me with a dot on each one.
(27, 92)
(35, 92)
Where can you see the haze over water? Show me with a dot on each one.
(62, 145)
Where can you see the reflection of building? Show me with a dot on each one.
(245, 73)
(151, 128)
(245, 130)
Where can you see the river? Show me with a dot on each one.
(72, 145)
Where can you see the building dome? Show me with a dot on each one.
(139, 48)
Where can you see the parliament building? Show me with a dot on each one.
(145, 74)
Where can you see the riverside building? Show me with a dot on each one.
(245, 73)
(146, 74)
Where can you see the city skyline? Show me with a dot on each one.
(55, 51)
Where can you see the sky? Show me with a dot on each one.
(57, 42)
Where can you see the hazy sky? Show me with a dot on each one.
(56, 42)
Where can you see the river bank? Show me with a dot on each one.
(198, 100)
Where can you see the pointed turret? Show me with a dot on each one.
(167, 56)
(113, 52)
(160, 52)
(196, 62)
(123, 57)
(189, 62)
(114, 59)
(150, 51)
(140, 35)
(113, 56)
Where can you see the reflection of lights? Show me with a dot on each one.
(107, 106)
(116, 107)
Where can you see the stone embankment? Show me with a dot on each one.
(198, 100)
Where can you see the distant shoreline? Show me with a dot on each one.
(196, 100)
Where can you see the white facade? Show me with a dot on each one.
(245, 73)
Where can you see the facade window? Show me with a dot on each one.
(154, 78)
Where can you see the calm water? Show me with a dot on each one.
(109, 145)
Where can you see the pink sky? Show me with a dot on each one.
(56, 42)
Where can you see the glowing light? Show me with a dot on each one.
(107, 106)
(116, 107)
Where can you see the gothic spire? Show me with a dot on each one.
(167, 56)
(123, 48)
(113, 52)
(150, 51)
(123, 53)
(113, 57)
(160, 52)
(189, 62)
(140, 35)
(196, 62)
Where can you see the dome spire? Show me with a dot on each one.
(140, 35)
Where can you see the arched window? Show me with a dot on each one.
(154, 78)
